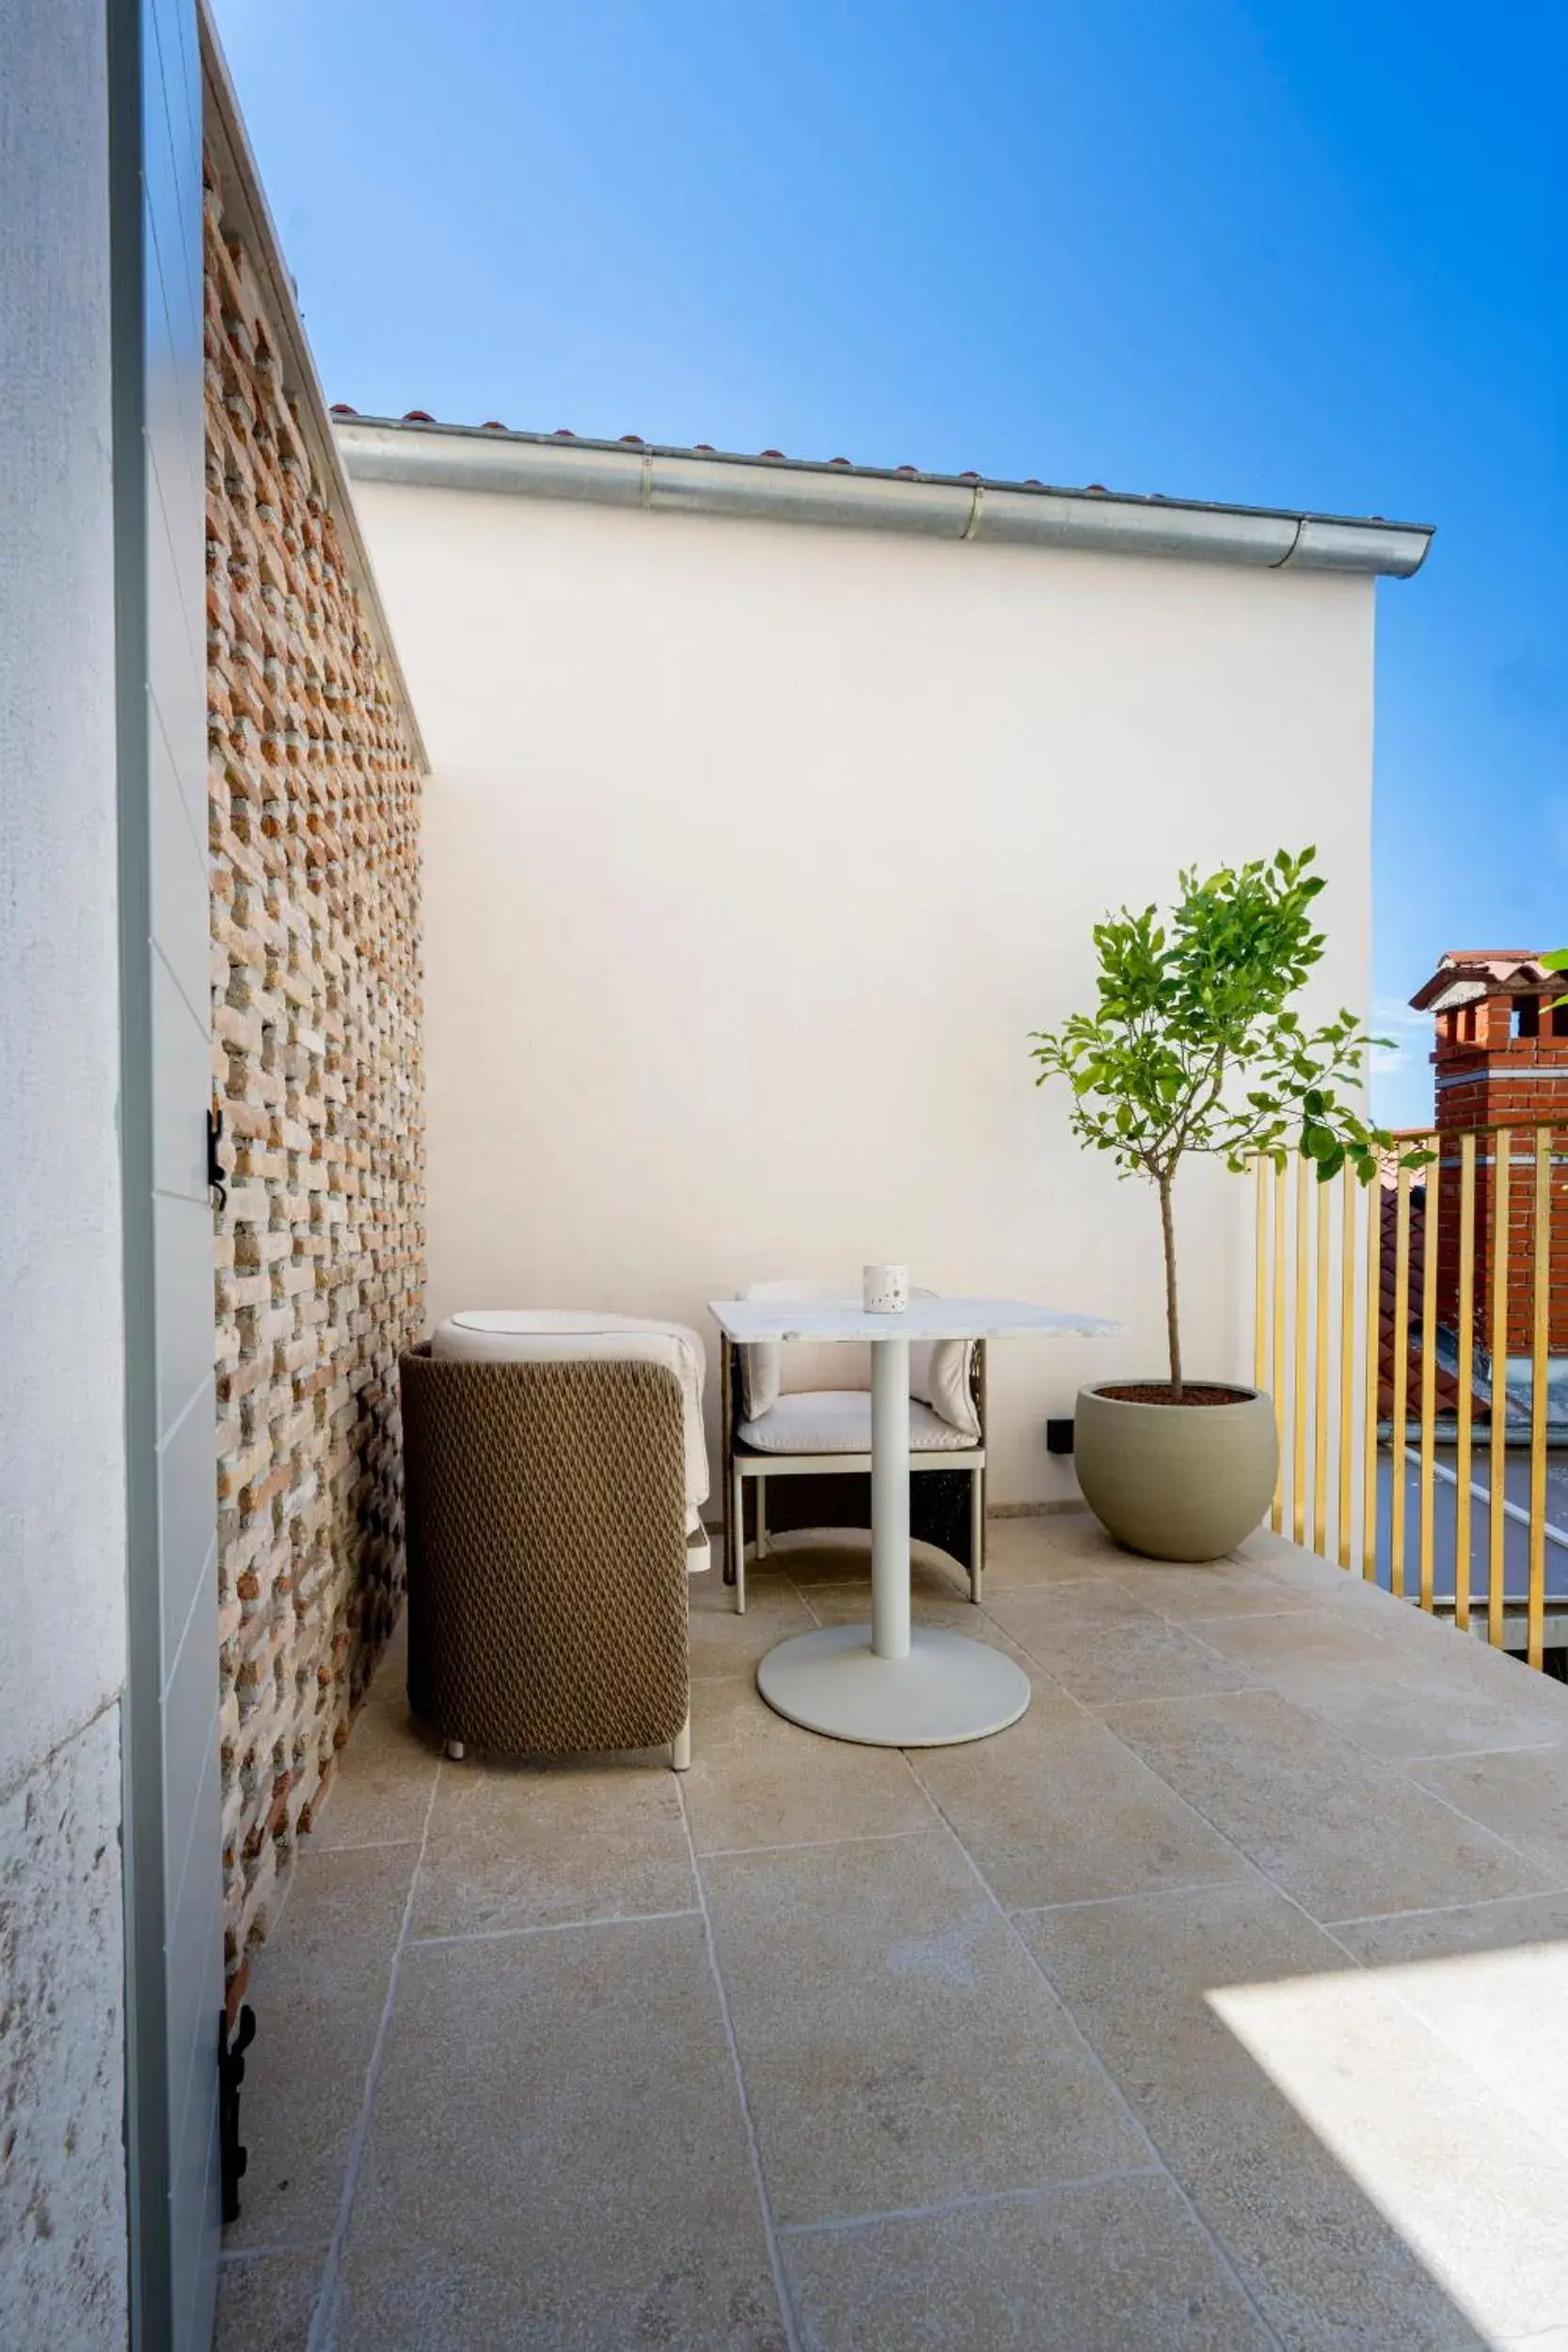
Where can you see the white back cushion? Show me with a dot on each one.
(939, 1369)
(770, 1370)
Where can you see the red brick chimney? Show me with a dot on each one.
(1500, 1059)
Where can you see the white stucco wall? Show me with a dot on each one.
(754, 852)
(62, 1552)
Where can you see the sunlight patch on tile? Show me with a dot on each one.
(1463, 2154)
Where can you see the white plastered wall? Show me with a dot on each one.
(63, 2273)
(754, 851)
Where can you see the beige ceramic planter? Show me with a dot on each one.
(1179, 1482)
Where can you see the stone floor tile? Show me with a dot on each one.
(1396, 1696)
(267, 2303)
(1491, 1980)
(318, 1989)
(1341, 1835)
(1209, 1588)
(1106, 2266)
(850, 1604)
(756, 1780)
(724, 1643)
(1522, 1795)
(532, 1845)
(1054, 1810)
(384, 1799)
(389, 1687)
(1102, 1644)
(898, 2045)
(557, 2160)
(1293, 1647)
(1049, 1548)
(842, 1555)
(1304, 2231)
(1446, 2149)
(1456, 1933)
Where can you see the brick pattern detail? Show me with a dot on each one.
(314, 809)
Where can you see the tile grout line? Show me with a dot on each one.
(1469, 1755)
(1220, 2253)
(764, 2204)
(1440, 1911)
(233, 2254)
(980, 2202)
(548, 1927)
(323, 2335)
(817, 1845)
(1134, 1895)
(358, 1844)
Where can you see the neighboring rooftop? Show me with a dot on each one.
(417, 449)
(1466, 974)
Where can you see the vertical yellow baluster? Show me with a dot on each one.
(1348, 1191)
(1536, 1612)
(1320, 1398)
(1298, 1385)
(1502, 1173)
(1428, 1374)
(1372, 1369)
(1278, 1516)
(1466, 1378)
(1261, 1276)
(1402, 1376)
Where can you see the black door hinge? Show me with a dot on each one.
(231, 2156)
(214, 1166)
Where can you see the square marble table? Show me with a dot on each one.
(887, 1684)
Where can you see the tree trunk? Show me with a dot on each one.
(1173, 1330)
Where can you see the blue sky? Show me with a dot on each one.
(1309, 255)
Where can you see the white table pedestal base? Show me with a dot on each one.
(945, 1689)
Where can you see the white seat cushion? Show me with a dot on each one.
(574, 1335)
(838, 1421)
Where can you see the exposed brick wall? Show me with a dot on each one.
(317, 1013)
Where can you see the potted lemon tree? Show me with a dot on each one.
(1195, 1046)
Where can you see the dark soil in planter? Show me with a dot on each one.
(1161, 1393)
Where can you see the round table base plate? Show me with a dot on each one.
(948, 1689)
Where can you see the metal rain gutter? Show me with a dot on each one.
(940, 506)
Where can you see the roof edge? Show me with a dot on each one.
(947, 506)
(245, 203)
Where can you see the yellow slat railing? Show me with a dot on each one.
(1377, 1403)
(1502, 1168)
(1463, 1466)
(1540, 1307)
(1401, 1374)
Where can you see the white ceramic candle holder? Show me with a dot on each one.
(887, 1289)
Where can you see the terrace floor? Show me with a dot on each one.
(1220, 2003)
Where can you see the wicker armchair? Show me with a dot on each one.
(548, 1555)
